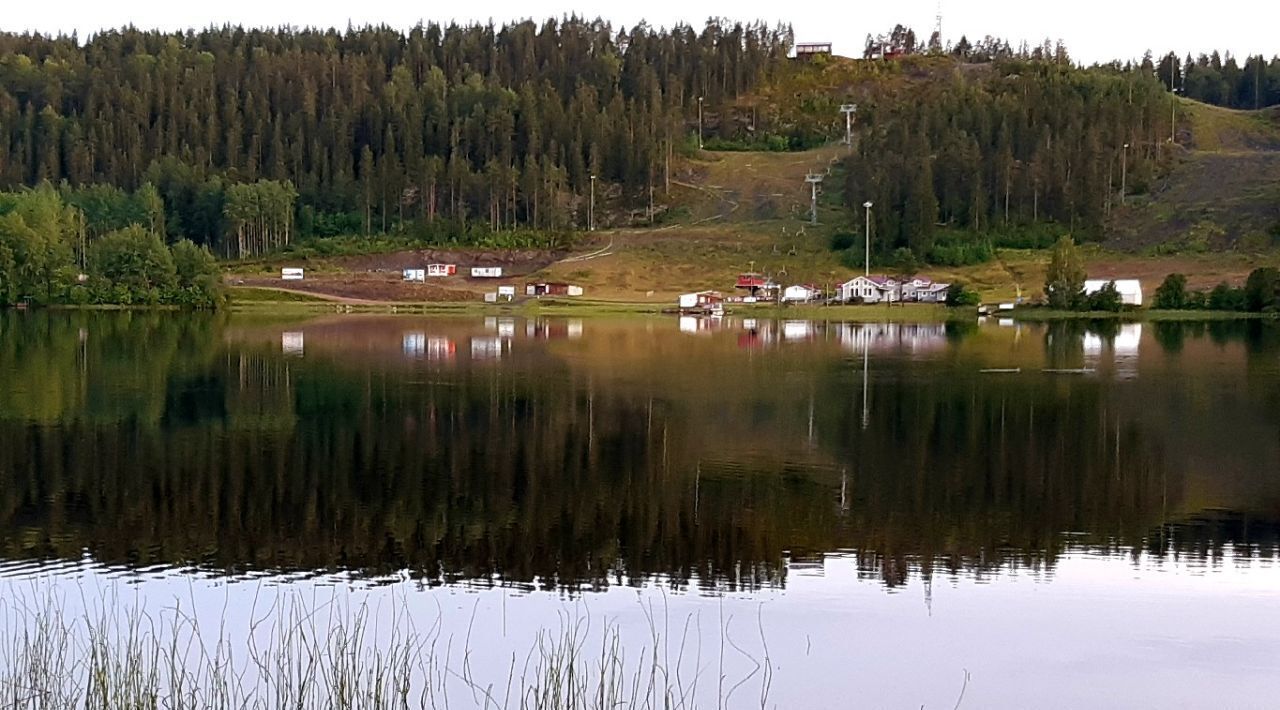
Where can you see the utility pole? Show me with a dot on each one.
(867, 264)
(1257, 84)
(814, 179)
(1173, 95)
(848, 110)
(591, 211)
(1124, 174)
(699, 123)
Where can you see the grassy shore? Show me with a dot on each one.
(256, 300)
(1041, 315)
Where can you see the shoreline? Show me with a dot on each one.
(579, 308)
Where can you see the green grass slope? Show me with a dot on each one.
(1223, 193)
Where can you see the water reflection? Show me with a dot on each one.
(570, 453)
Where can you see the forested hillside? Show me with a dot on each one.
(244, 140)
(989, 153)
(1213, 80)
(370, 127)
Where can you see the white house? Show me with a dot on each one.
(1130, 289)
(868, 289)
(418, 275)
(486, 272)
(802, 293)
(924, 291)
(703, 301)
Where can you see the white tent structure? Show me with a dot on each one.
(1130, 289)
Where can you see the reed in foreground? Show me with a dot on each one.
(293, 651)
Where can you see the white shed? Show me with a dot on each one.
(1130, 289)
(801, 293)
(486, 272)
(418, 275)
(290, 274)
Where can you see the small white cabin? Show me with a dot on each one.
(1130, 289)
(290, 274)
(416, 275)
(486, 272)
(803, 293)
(435, 270)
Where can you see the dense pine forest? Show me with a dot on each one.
(1010, 153)
(476, 126)
(242, 141)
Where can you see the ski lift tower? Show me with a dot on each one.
(848, 110)
(814, 180)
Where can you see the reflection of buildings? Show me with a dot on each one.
(504, 327)
(486, 348)
(419, 345)
(912, 338)
(292, 343)
(441, 349)
(798, 330)
(1122, 349)
(699, 324)
(415, 345)
(755, 333)
(548, 329)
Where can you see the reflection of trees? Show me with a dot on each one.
(96, 366)
(984, 472)
(159, 445)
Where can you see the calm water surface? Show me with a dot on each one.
(1074, 516)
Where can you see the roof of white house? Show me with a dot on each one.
(876, 279)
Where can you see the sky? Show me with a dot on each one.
(1093, 30)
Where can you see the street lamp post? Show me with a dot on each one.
(867, 264)
(591, 211)
(699, 123)
(1124, 174)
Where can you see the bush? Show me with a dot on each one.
(1106, 298)
(1172, 293)
(843, 240)
(1262, 290)
(1040, 235)
(853, 259)
(953, 247)
(961, 296)
(1225, 298)
(1064, 281)
(135, 260)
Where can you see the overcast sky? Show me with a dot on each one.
(1094, 30)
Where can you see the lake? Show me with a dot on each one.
(757, 512)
